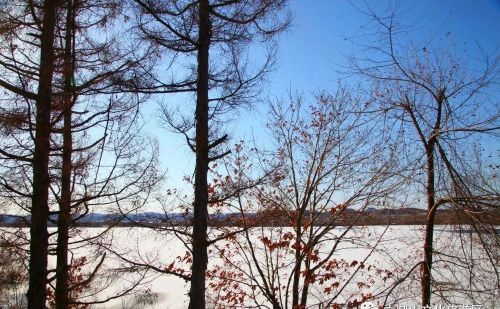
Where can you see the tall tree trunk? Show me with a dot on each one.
(39, 206)
(64, 218)
(298, 262)
(429, 227)
(200, 215)
(305, 289)
(431, 201)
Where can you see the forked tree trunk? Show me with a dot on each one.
(200, 215)
(64, 218)
(39, 207)
(430, 191)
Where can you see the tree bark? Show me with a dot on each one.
(298, 262)
(64, 218)
(305, 289)
(39, 207)
(429, 227)
(200, 215)
(431, 202)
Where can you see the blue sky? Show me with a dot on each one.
(316, 42)
(316, 47)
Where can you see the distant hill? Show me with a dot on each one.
(370, 216)
(101, 219)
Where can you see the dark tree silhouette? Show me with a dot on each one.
(96, 156)
(213, 36)
(25, 23)
(441, 107)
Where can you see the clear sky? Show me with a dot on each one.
(316, 41)
(316, 47)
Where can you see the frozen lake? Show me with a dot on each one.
(462, 275)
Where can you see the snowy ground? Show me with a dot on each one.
(398, 250)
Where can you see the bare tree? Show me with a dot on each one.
(19, 24)
(111, 169)
(97, 158)
(333, 165)
(212, 37)
(441, 107)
